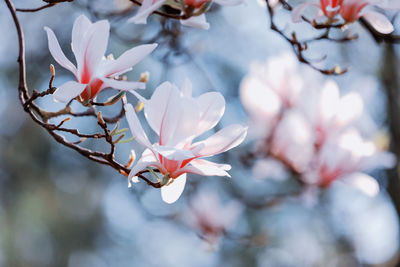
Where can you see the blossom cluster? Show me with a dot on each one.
(311, 130)
(350, 11)
(174, 114)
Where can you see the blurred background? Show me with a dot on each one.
(60, 209)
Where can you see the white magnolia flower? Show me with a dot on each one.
(92, 73)
(178, 119)
(345, 156)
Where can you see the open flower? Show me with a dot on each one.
(344, 156)
(93, 73)
(178, 119)
(351, 11)
(198, 20)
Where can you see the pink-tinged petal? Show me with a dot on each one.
(171, 193)
(225, 139)
(298, 11)
(207, 168)
(186, 88)
(146, 160)
(197, 22)
(260, 101)
(363, 182)
(136, 127)
(180, 122)
(379, 21)
(127, 60)
(349, 109)
(81, 26)
(329, 101)
(95, 48)
(156, 107)
(173, 118)
(228, 2)
(122, 85)
(148, 7)
(68, 91)
(293, 140)
(212, 107)
(57, 53)
(173, 153)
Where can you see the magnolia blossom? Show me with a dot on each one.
(196, 21)
(92, 72)
(209, 217)
(351, 10)
(344, 157)
(178, 119)
(310, 131)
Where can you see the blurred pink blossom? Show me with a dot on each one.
(178, 119)
(314, 133)
(350, 11)
(209, 217)
(345, 155)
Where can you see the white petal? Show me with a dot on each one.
(197, 22)
(57, 53)
(379, 21)
(127, 60)
(171, 193)
(155, 107)
(173, 117)
(329, 100)
(122, 85)
(207, 168)
(136, 127)
(350, 108)
(172, 153)
(223, 140)
(81, 26)
(258, 99)
(180, 122)
(212, 107)
(68, 91)
(96, 45)
(363, 182)
(145, 10)
(147, 159)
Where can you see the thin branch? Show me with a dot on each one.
(41, 117)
